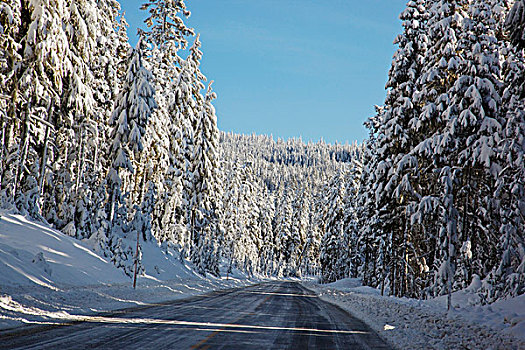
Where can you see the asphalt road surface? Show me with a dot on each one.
(277, 315)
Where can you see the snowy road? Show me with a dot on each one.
(280, 315)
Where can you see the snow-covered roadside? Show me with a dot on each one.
(414, 324)
(39, 305)
(48, 277)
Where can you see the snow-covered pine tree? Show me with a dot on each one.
(282, 229)
(204, 220)
(507, 277)
(77, 127)
(515, 23)
(367, 207)
(189, 105)
(10, 59)
(397, 135)
(436, 151)
(333, 218)
(140, 227)
(354, 259)
(35, 83)
(241, 219)
(167, 34)
(109, 66)
(299, 230)
(249, 246)
(266, 204)
(477, 103)
(133, 108)
(167, 29)
(229, 220)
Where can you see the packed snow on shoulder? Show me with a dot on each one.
(417, 324)
(47, 276)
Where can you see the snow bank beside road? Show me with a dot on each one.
(46, 276)
(40, 305)
(414, 324)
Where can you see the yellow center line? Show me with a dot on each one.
(283, 294)
(205, 340)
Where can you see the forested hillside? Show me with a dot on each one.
(111, 144)
(277, 205)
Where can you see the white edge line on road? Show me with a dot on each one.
(102, 319)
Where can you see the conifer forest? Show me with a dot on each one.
(110, 143)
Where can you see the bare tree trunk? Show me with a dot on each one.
(44, 162)
(112, 209)
(449, 284)
(136, 261)
(82, 161)
(23, 155)
(383, 271)
(3, 146)
(230, 262)
(465, 227)
(365, 266)
(404, 281)
(143, 184)
(450, 272)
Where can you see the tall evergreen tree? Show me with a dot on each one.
(206, 192)
(332, 240)
(167, 34)
(515, 23)
(133, 108)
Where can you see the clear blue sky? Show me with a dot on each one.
(309, 68)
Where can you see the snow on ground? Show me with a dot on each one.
(46, 277)
(414, 324)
